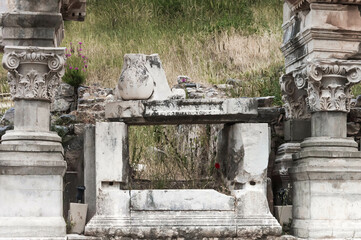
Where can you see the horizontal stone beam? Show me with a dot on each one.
(190, 111)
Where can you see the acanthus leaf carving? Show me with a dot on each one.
(294, 98)
(41, 81)
(329, 83)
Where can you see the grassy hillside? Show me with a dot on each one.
(208, 40)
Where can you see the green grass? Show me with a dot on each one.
(208, 40)
(193, 37)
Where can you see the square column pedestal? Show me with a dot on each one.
(31, 192)
(326, 177)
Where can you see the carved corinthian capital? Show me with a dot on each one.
(294, 98)
(329, 83)
(34, 73)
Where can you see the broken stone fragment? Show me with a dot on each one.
(60, 105)
(178, 93)
(243, 152)
(135, 82)
(143, 78)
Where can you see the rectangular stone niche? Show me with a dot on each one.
(190, 214)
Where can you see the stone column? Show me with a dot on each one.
(111, 178)
(326, 172)
(243, 151)
(34, 75)
(31, 157)
(321, 44)
(297, 126)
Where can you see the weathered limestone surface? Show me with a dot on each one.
(34, 74)
(323, 31)
(77, 217)
(89, 170)
(284, 161)
(111, 149)
(321, 47)
(176, 200)
(31, 187)
(37, 22)
(243, 152)
(74, 10)
(31, 156)
(182, 111)
(31, 23)
(331, 169)
(190, 214)
(283, 214)
(294, 99)
(143, 78)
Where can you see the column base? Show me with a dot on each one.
(281, 180)
(284, 161)
(329, 229)
(32, 227)
(25, 137)
(31, 192)
(326, 177)
(39, 238)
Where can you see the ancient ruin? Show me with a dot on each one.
(321, 48)
(316, 170)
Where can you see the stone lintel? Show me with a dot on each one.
(195, 111)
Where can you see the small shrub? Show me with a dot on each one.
(76, 65)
